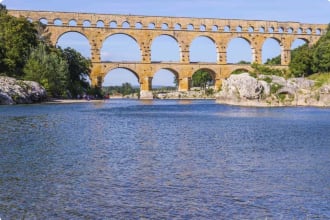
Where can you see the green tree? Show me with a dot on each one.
(274, 61)
(201, 78)
(17, 38)
(79, 71)
(266, 70)
(301, 61)
(321, 54)
(126, 89)
(48, 67)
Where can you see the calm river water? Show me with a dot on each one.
(163, 160)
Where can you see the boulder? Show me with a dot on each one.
(242, 89)
(243, 86)
(14, 91)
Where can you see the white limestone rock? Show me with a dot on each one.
(14, 91)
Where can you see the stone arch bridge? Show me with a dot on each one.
(143, 29)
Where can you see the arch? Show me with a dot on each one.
(203, 49)
(239, 28)
(202, 27)
(138, 25)
(116, 76)
(190, 27)
(281, 30)
(262, 29)
(165, 77)
(125, 24)
(239, 70)
(318, 31)
(271, 51)
(30, 20)
(99, 23)
(87, 23)
(177, 26)
(165, 48)
(251, 29)
(298, 43)
(309, 31)
(58, 22)
(206, 79)
(215, 28)
(239, 51)
(226, 28)
(290, 30)
(151, 25)
(113, 24)
(299, 31)
(72, 23)
(164, 26)
(271, 30)
(120, 47)
(43, 21)
(75, 40)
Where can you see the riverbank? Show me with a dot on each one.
(73, 101)
(273, 91)
(13, 91)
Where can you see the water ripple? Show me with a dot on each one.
(163, 160)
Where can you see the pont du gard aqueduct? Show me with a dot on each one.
(144, 29)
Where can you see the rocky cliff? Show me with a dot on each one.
(242, 89)
(14, 91)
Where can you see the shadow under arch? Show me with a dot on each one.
(122, 47)
(165, 47)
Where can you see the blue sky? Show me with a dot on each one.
(306, 11)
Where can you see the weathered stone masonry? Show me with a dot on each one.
(98, 27)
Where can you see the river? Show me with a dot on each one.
(129, 159)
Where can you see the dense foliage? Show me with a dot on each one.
(17, 38)
(124, 89)
(201, 78)
(26, 53)
(274, 61)
(307, 60)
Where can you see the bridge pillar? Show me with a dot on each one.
(217, 84)
(222, 53)
(256, 46)
(145, 44)
(95, 51)
(146, 88)
(257, 55)
(184, 84)
(185, 53)
(285, 57)
(96, 75)
(222, 57)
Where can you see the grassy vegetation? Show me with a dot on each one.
(275, 87)
(320, 79)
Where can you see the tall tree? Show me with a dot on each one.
(321, 54)
(17, 38)
(201, 78)
(301, 61)
(79, 70)
(48, 67)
